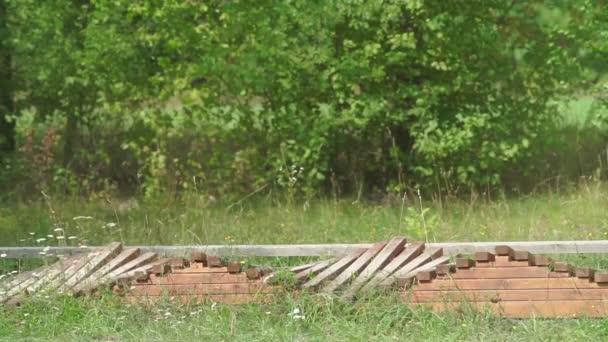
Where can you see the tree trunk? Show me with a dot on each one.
(7, 129)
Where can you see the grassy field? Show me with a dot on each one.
(579, 213)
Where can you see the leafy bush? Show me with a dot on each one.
(231, 97)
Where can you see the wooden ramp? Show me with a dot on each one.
(513, 284)
(383, 265)
(201, 279)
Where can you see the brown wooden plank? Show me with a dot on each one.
(600, 277)
(34, 277)
(257, 272)
(521, 255)
(300, 268)
(234, 267)
(198, 256)
(503, 261)
(507, 295)
(503, 250)
(541, 260)
(410, 252)
(198, 278)
(484, 257)
(582, 272)
(391, 250)
(319, 267)
(214, 261)
(501, 273)
(559, 266)
(405, 280)
(92, 265)
(533, 309)
(202, 299)
(98, 277)
(198, 268)
(65, 274)
(405, 272)
(426, 275)
(157, 267)
(445, 269)
(131, 265)
(354, 268)
(465, 263)
(331, 272)
(507, 284)
(58, 269)
(200, 289)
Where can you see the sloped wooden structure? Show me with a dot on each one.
(202, 279)
(513, 284)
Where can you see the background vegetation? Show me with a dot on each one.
(347, 98)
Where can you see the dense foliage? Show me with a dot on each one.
(230, 97)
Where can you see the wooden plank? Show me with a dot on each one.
(507, 295)
(559, 266)
(300, 268)
(410, 252)
(198, 268)
(92, 265)
(354, 269)
(234, 267)
(22, 286)
(582, 272)
(200, 289)
(411, 266)
(600, 277)
(509, 284)
(202, 299)
(501, 273)
(445, 269)
(532, 309)
(198, 278)
(97, 278)
(320, 266)
(503, 261)
(65, 274)
(391, 250)
(484, 257)
(521, 255)
(426, 275)
(214, 261)
(449, 248)
(541, 260)
(464, 263)
(141, 260)
(57, 270)
(159, 267)
(503, 250)
(258, 272)
(405, 280)
(331, 272)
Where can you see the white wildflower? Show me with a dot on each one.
(58, 229)
(82, 218)
(72, 237)
(111, 224)
(40, 240)
(46, 249)
(32, 233)
(60, 237)
(3, 255)
(50, 236)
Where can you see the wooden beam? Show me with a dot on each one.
(449, 248)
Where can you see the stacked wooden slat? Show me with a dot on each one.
(202, 279)
(383, 265)
(82, 274)
(514, 284)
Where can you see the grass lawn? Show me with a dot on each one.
(577, 214)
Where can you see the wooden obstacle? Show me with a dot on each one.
(201, 279)
(510, 282)
(514, 284)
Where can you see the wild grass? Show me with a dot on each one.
(577, 213)
(325, 319)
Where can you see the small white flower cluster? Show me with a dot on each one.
(295, 314)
